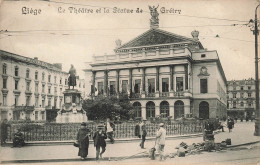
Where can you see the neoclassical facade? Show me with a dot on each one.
(241, 98)
(163, 74)
(30, 88)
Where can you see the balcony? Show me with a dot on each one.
(178, 94)
(136, 95)
(149, 95)
(164, 94)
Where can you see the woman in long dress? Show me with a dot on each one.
(83, 141)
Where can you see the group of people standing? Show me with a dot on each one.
(103, 132)
(106, 130)
(140, 131)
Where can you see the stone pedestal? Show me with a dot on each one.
(71, 111)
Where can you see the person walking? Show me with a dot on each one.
(229, 124)
(83, 141)
(142, 133)
(160, 140)
(99, 141)
(4, 131)
(110, 128)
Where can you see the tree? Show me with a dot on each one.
(103, 107)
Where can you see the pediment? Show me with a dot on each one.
(156, 37)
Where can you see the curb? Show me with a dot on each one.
(244, 144)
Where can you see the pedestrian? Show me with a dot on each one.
(83, 141)
(142, 133)
(4, 131)
(160, 140)
(18, 140)
(99, 141)
(110, 128)
(229, 124)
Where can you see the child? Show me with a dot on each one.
(99, 141)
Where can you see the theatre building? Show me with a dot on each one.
(164, 74)
(30, 89)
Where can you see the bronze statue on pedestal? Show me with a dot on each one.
(72, 77)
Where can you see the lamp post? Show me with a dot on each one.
(255, 32)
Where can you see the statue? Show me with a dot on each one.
(154, 21)
(72, 77)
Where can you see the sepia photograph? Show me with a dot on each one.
(129, 82)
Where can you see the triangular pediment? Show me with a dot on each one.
(156, 37)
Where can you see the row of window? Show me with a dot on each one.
(28, 101)
(17, 115)
(28, 83)
(249, 95)
(242, 88)
(242, 104)
(151, 86)
(36, 77)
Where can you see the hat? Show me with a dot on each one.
(83, 124)
(161, 124)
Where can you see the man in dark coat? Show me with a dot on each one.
(83, 141)
(141, 132)
(4, 129)
(18, 140)
(99, 141)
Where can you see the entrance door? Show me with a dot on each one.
(204, 110)
(178, 109)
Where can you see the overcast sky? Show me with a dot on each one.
(71, 38)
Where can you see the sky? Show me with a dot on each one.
(54, 32)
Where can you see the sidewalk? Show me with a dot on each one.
(241, 134)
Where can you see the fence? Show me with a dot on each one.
(63, 132)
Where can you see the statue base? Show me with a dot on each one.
(71, 117)
(72, 111)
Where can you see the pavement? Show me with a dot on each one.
(242, 134)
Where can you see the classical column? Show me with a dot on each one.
(93, 82)
(117, 81)
(130, 80)
(157, 78)
(143, 79)
(105, 82)
(171, 78)
(186, 76)
(171, 81)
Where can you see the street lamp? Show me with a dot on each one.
(256, 32)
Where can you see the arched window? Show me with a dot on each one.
(164, 108)
(4, 68)
(16, 71)
(241, 104)
(27, 73)
(150, 109)
(178, 109)
(137, 109)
